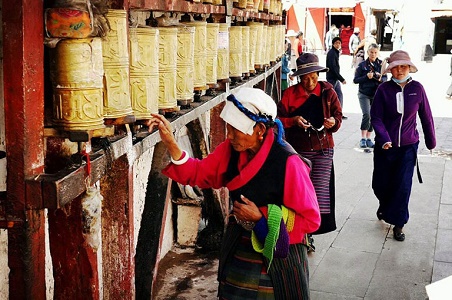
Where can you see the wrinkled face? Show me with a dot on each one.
(241, 141)
(309, 81)
(400, 72)
(373, 54)
(337, 45)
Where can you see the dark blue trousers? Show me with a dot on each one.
(392, 180)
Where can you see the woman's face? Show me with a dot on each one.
(241, 141)
(400, 72)
(309, 81)
(373, 54)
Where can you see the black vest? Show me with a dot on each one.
(267, 186)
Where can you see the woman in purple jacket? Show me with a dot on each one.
(396, 104)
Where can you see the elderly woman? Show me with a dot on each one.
(273, 201)
(368, 76)
(397, 103)
(311, 112)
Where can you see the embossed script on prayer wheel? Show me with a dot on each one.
(245, 50)
(185, 64)
(144, 71)
(223, 52)
(253, 45)
(235, 51)
(212, 53)
(76, 73)
(115, 54)
(167, 67)
(200, 54)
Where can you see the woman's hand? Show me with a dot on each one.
(166, 134)
(387, 145)
(329, 122)
(246, 211)
(301, 122)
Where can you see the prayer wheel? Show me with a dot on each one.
(266, 5)
(245, 50)
(76, 73)
(144, 71)
(217, 2)
(235, 51)
(212, 53)
(185, 64)
(167, 67)
(259, 60)
(253, 44)
(207, 1)
(273, 33)
(256, 5)
(223, 52)
(249, 5)
(261, 5)
(115, 54)
(200, 54)
(267, 40)
(272, 7)
(240, 4)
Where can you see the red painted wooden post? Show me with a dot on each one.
(23, 54)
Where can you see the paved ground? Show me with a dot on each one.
(361, 260)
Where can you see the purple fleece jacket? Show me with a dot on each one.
(398, 124)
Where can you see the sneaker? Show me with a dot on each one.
(344, 117)
(363, 143)
(369, 143)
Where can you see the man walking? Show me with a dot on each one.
(334, 76)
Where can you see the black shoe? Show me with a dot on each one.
(379, 215)
(398, 234)
(344, 117)
(310, 243)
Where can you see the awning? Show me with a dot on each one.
(328, 3)
(441, 14)
(384, 4)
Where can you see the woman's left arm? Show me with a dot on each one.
(300, 196)
(426, 117)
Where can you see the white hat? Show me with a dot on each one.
(356, 30)
(253, 99)
(291, 32)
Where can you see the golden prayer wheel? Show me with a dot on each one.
(266, 38)
(167, 67)
(235, 51)
(115, 54)
(261, 5)
(185, 64)
(76, 73)
(250, 5)
(212, 53)
(272, 6)
(207, 1)
(245, 50)
(256, 5)
(266, 5)
(144, 71)
(217, 2)
(200, 54)
(282, 39)
(272, 33)
(223, 52)
(253, 44)
(259, 59)
(240, 3)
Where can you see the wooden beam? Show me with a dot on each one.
(23, 74)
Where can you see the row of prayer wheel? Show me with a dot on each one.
(138, 71)
(271, 6)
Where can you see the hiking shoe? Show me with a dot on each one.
(363, 143)
(369, 143)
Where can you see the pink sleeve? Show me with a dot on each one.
(300, 196)
(206, 173)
